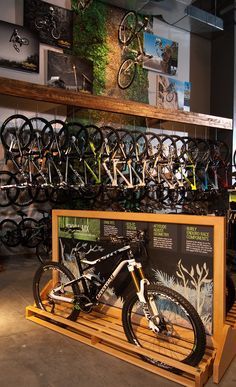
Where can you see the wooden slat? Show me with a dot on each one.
(105, 333)
(64, 97)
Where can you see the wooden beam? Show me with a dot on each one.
(64, 97)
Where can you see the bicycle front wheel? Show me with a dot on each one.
(127, 28)
(126, 73)
(49, 276)
(180, 333)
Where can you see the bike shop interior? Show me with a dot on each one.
(117, 129)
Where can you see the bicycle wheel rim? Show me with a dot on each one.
(8, 188)
(126, 73)
(127, 27)
(10, 132)
(9, 233)
(46, 278)
(181, 333)
(31, 234)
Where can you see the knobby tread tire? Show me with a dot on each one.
(200, 337)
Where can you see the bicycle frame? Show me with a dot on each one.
(131, 264)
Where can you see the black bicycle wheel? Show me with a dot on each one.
(9, 190)
(126, 73)
(42, 134)
(78, 139)
(25, 41)
(179, 334)
(126, 143)
(44, 250)
(16, 132)
(31, 232)
(24, 197)
(56, 33)
(60, 135)
(50, 276)
(190, 151)
(230, 292)
(140, 144)
(39, 22)
(110, 142)
(9, 233)
(38, 190)
(95, 139)
(127, 28)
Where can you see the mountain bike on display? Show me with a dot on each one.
(48, 23)
(17, 40)
(130, 31)
(153, 316)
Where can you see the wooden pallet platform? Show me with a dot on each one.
(102, 329)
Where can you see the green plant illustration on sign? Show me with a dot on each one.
(90, 41)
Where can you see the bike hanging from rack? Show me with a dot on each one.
(129, 34)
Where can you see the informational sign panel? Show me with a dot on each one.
(179, 256)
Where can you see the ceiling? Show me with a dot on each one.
(178, 13)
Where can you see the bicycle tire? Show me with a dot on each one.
(9, 233)
(44, 251)
(30, 231)
(126, 73)
(127, 27)
(43, 278)
(9, 190)
(39, 22)
(111, 140)
(24, 197)
(25, 41)
(95, 139)
(42, 134)
(38, 191)
(140, 144)
(169, 301)
(10, 130)
(60, 135)
(78, 138)
(126, 143)
(55, 33)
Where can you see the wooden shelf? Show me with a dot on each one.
(63, 97)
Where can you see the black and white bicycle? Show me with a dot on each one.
(154, 317)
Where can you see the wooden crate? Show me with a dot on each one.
(102, 329)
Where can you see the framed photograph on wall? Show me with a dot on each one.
(19, 48)
(72, 72)
(164, 54)
(53, 24)
(172, 93)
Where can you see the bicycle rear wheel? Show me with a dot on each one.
(16, 133)
(9, 233)
(49, 276)
(9, 190)
(180, 332)
(127, 27)
(31, 232)
(126, 73)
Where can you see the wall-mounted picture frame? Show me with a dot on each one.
(164, 54)
(19, 48)
(172, 93)
(70, 72)
(53, 24)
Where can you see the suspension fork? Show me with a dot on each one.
(148, 304)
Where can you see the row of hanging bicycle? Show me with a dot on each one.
(56, 161)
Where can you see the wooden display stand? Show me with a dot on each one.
(103, 330)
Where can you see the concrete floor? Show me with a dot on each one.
(33, 356)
